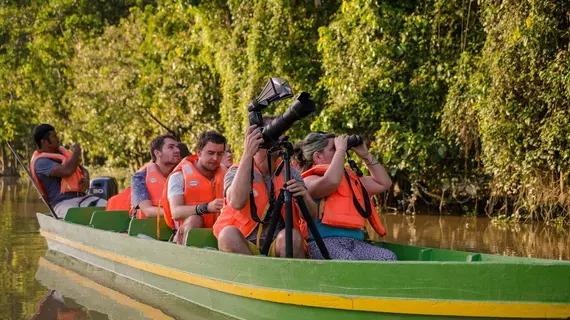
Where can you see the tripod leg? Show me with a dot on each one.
(288, 224)
(276, 215)
(313, 228)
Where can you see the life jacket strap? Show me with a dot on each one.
(365, 212)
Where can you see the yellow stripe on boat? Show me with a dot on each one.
(497, 309)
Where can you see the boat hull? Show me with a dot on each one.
(271, 288)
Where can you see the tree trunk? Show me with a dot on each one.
(1, 190)
(9, 166)
(3, 159)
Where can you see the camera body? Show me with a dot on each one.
(254, 114)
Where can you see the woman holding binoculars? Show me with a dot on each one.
(343, 197)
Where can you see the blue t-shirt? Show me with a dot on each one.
(52, 185)
(139, 192)
(327, 231)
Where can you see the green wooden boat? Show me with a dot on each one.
(424, 283)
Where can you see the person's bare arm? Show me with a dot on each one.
(322, 186)
(379, 180)
(149, 210)
(69, 167)
(237, 193)
(180, 211)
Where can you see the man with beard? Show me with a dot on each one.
(148, 183)
(194, 195)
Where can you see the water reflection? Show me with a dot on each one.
(107, 294)
(90, 300)
(55, 306)
(478, 234)
(21, 246)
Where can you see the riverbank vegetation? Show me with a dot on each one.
(467, 103)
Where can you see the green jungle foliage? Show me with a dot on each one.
(465, 102)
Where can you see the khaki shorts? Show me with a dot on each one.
(257, 251)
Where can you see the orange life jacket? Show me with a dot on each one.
(197, 189)
(340, 207)
(68, 184)
(242, 219)
(155, 183)
(120, 201)
(123, 201)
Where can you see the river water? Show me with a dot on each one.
(29, 280)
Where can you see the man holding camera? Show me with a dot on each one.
(236, 229)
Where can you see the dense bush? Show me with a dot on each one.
(463, 101)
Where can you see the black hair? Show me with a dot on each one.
(41, 132)
(158, 142)
(210, 136)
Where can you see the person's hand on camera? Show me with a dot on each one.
(215, 205)
(296, 188)
(253, 140)
(341, 143)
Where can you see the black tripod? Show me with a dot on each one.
(285, 149)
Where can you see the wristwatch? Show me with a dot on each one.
(202, 208)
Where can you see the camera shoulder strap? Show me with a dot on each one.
(252, 205)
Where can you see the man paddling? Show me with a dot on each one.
(62, 180)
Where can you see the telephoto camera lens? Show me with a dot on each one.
(301, 107)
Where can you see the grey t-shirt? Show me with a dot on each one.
(51, 185)
(229, 178)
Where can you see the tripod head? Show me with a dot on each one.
(281, 146)
(285, 151)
